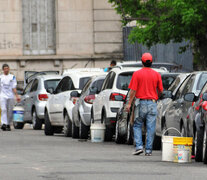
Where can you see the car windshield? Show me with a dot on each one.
(202, 81)
(124, 80)
(82, 82)
(52, 83)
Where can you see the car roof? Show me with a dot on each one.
(77, 70)
(76, 76)
(128, 69)
(47, 77)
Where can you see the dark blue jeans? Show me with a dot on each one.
(147, 110)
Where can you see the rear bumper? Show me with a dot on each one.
(40, 109)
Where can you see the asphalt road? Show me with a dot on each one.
(30, 155)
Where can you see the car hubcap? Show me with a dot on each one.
(66, 124)
(204, 143)
(195, 143)
(116, 135)
(128, 131)
(34, 118)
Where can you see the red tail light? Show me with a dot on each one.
(204, 105)
(193, 103)
(113, 96)
(89, 99)
(43, 97)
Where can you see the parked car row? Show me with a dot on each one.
(70, 103)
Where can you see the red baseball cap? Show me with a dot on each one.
(146, 57)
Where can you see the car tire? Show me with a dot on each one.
(18, 125)
(130, 135)
(199, 145)
(75, 131)
(67, 126)
(108, 131)
(204, 145)
(157, 143)
(118, 138)
(49, 130)
(83, 130)
(36, 122)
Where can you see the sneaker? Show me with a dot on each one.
(8, 128)
(148, 154)
(138, 152)
(3, 127)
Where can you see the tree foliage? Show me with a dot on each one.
(163, 21)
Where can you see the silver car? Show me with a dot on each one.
(82, 109)
(34, 99)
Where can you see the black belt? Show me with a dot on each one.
(148, 100)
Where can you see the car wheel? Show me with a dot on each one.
(18, 125)
(199, 145)
(205, 146)
(36, 122)
(118, 138)
(49, 130)
(67, 126)
(108, 131)
(157, 143)
(83, 130)
(75, 131)
(130, 136)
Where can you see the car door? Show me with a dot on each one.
(175, 109)
(52, 102)
(24, 98)
(60, 98)
(30, 98)
(99, 101)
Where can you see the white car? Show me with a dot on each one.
(58, 111)
(110, 99)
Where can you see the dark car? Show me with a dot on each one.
(177, 111)
(197, 123)
(162, 105)
(124, 130)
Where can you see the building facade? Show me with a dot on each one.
(38, 35)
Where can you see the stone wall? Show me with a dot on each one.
(10, 27)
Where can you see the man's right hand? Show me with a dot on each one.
(127, 108)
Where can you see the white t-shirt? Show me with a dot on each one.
(7, 84)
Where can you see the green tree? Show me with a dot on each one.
(163, 21)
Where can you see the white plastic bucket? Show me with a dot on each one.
(18, 114)
(167, 146)
(97, 132)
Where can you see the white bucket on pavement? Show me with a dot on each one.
(18, 114)
(167, 146)
(97, 132)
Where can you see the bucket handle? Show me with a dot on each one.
(172, 128)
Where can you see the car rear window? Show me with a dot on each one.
(82, 82)
(52, 83)
(124, 80)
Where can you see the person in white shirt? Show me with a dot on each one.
(8, 85)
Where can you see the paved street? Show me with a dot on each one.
(30, 155)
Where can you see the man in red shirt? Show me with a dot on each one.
(146, 86)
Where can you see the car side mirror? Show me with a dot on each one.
(204, 96)
(75, 94)
(166, 94)
(50, 90)
(190, 97)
